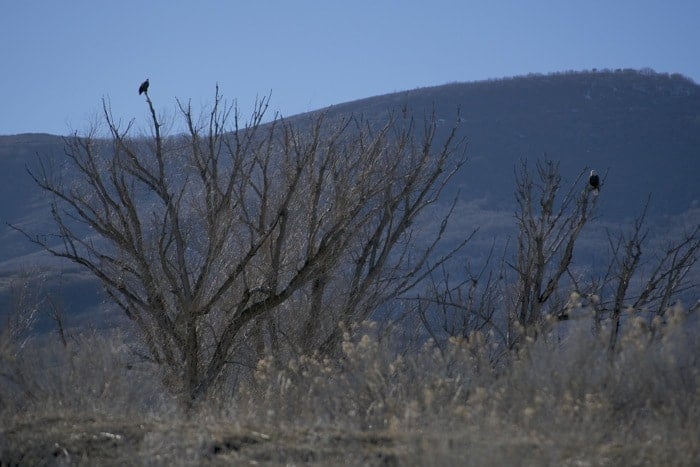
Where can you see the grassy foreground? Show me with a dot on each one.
(561, 400)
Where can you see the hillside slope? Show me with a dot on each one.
(639, 129)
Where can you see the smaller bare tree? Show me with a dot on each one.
(550, 219)
(658, 281)
(20, 317)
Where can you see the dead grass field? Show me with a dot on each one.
(558, 402)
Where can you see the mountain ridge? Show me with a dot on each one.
(598, 119)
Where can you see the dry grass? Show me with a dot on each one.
(559, 401)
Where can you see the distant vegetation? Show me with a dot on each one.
(311, 290)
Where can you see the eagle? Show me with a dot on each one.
(144, 87)
(594, 181)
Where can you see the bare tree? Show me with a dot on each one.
(203, 237)
(19, 320)
(657, 284)
(550, 219)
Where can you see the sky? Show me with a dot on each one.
(59, 59)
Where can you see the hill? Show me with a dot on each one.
(641, 130)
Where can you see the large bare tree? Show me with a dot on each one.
(222, 234)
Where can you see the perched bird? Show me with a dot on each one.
(144, 87)
(594, 181)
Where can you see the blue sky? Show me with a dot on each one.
(59, 58)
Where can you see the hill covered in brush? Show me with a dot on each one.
(639, 129)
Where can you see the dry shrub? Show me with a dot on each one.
(91, 373)
(561, 399)
(371, 386)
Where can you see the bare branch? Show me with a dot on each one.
(199, 237)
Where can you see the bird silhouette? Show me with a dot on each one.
(594, 181)
(144, 87)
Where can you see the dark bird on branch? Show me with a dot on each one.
(144, 87)
(594, 181)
